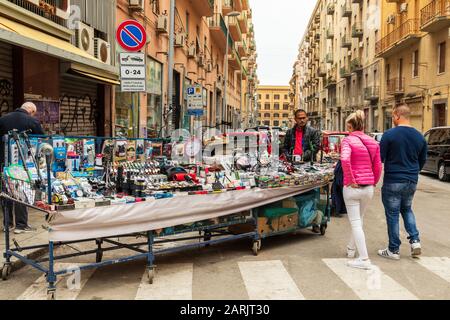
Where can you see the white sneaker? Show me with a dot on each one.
(351, 253)
(386, 253)
(416, 249)
(360, 264)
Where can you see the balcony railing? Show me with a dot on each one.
(357, 31)
(329, 58)
(331, 103)
(346, 9)
(372, 93)
(330, 33)
(395, 86)
(436, 10)
(331, 8)
(47, 11)
(346, 42)
(405, 30)
(356, 65)
(345, 72)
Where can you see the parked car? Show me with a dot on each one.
(376, 135)
(438, 158)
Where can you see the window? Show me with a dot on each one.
(155, 6)
(187, 23)
(285, 97)
(267, 106)
(267, 96)
(259, 106)
(259, 96)
(266, 115)
(285, 115)
(276, 115)
(286, 106)
(276, 123)
(415, 64)
(276, 106)
(267, 123)
(276, 97)
(259, 115)
(441, 57)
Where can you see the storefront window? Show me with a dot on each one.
(124, 113)
(154, 98)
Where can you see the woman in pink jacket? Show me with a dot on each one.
(361, 165)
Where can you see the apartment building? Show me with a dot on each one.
(337, 69)
(201, 30)
(274, 106)
(61, 62)
(415, 47)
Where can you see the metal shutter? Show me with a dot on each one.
(6, 79)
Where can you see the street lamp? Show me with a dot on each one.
(224, 107)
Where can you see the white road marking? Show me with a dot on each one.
(438, 265)
(269, 280)
(171, 282)
(369, 284)
(68, 286)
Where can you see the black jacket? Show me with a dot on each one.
(21, 121)
(311, 137)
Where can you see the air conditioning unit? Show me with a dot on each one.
(180, 40)
(361, 44)
(192, 51)
(349, 53)
(391, 19)
(162, 24)
(84, 36)
(403, 7)
(102, 50)
(136, 5)
(201, 60)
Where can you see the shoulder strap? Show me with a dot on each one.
(370, 154)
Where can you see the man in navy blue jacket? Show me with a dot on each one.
(21, 119)
(404, 153)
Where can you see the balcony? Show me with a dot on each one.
(235, 29)
(317, 37)
(227, 6)
(241, 46)
(330, 33)
(329, 58)
(245, 5)
(330, 81)
(372, 93)
(331, 9)
(331, 103)
(205, 7)
(346, 9)
(395, 86)
(357, 31)
(218, 30)
(243, 22)
(317, 18)
(346, 42)
(322, 70)
(435, 16)
(52, 10)
(345, 72)
(238, 5)
(355, 101)
(400, 38)
(356, 65)
(358, 1)
(234, 61)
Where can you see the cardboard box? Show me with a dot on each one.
(288, 222)
(84, 203)
(265, 228)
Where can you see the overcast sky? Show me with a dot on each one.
(279, 28)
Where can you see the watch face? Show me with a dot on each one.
(79, 193)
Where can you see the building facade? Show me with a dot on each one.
(415, 47)
(58, 55)
(201, 30)
(274, 106)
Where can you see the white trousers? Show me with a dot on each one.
(357, 201)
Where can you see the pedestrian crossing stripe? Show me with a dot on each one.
(438, 265)
(172, 282)
(269, 280)
(369, 284)
(68, 286)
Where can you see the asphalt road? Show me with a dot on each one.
(296, 266)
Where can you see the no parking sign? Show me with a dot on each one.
(131, 35)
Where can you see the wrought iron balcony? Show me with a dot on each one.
(395, 86)
(435, 16)
(400, 38)
(372, 93)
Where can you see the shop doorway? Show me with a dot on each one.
(439, 115)
(176, 117)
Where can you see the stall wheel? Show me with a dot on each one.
(256, 247)
(51, 294)
(6, 271)
(98, 256)
(323, 229)
(151, 275)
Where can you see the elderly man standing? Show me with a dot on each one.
(21, 119)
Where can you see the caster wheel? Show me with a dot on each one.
(99, 256)
(256, 247)
(323, 229)
(51, 294)
(207, 237)
(151, 275)
(6, 272)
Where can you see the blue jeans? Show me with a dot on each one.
(397, 199)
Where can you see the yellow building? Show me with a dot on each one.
(415, 47)
(274, 106)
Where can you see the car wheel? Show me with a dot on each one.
(442, 174)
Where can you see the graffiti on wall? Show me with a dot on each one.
(5, 94)
(82, 110)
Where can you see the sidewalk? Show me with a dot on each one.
(40, 236)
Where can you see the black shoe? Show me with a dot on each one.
(316, 229)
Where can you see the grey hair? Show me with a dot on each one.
(29, 107)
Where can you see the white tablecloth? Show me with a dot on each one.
(157, 214)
